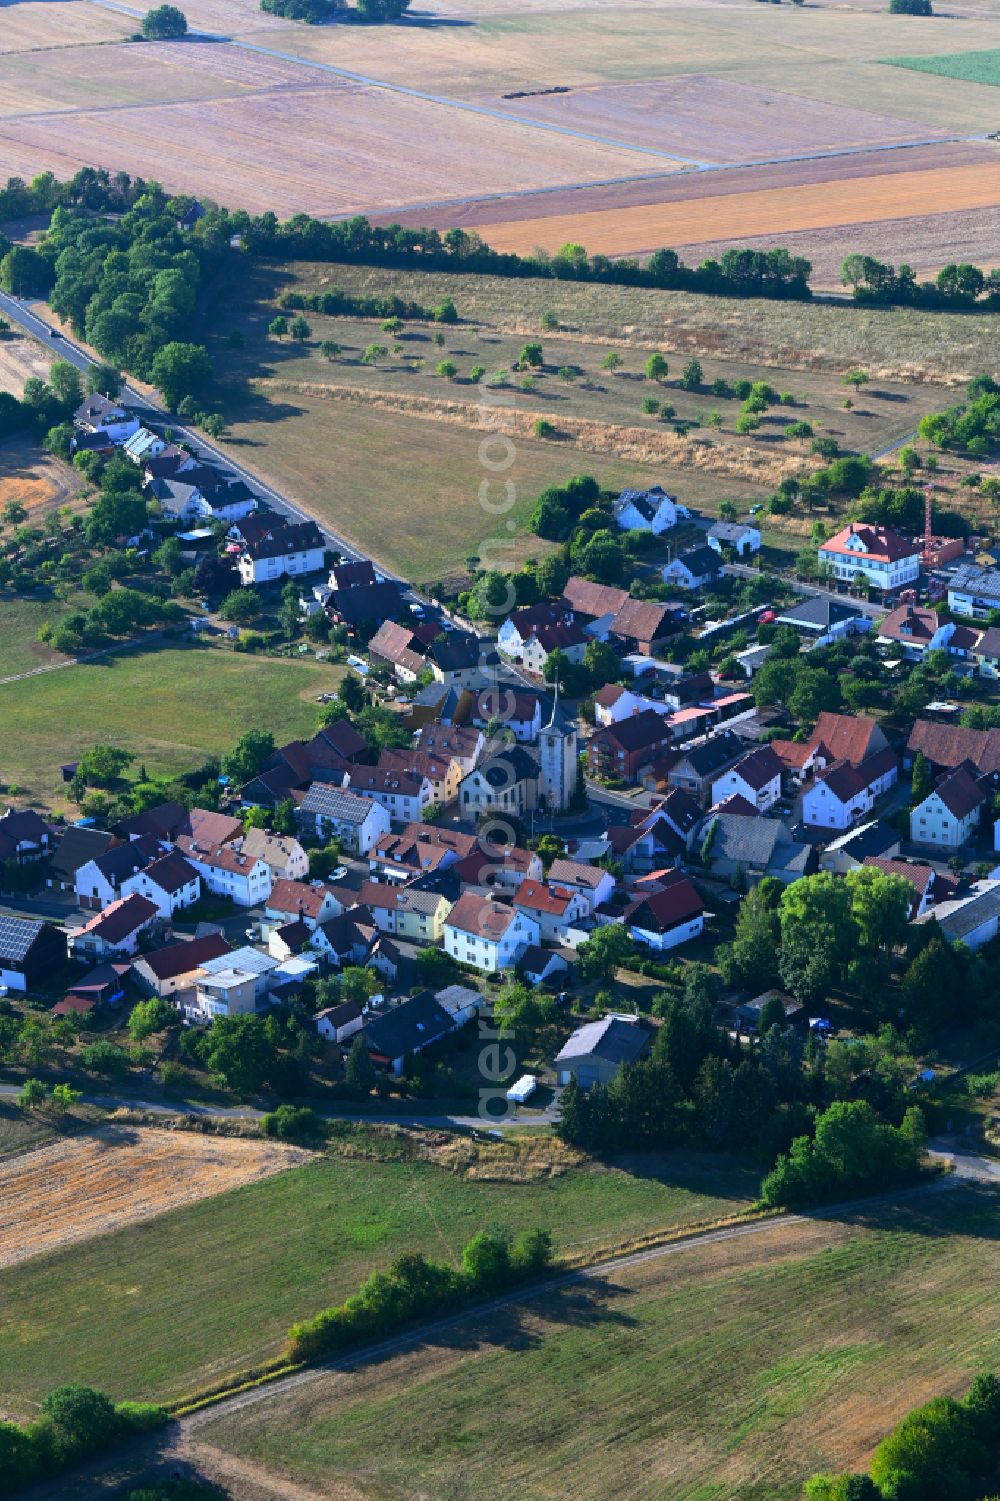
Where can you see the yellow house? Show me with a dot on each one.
(417, 915)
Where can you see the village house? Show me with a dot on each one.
(24, 837)
(227, 871)
(235, 984)
(31, 951)
(974, 592)
(973, 919)
(554, 908)
(821, 619)
(945, 746)
(500, 867)
(519, 713)
(170, 883)
(521, 625)
(757, 777)
(404, 796)
(420, 848)
(929, 885)
(99, 414)
(462, 744)
(506, 782)
(949, 815)
(595, 884)
(407, 1029)
(171, 970)
(283, 549)
(76, 848)
(328, 812)
(748, 848)
(664, 918)
(104, 985)
(701, 766)
(613, 703)
(405, 911)
(308, 902)
(116, 930)
(641, 625)
(735, 536)
(619, 750)
(570, 640)
(99, 881)
(877, 554)
(486, 933)
(844, 792)
(283, 853)
(651, 510)
(874, 839)
(915, 631)
(538, 966)
(596, 1051)
(443, 774)
(339, 1023)
(693, 570)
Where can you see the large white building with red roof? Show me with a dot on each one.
(884, 557)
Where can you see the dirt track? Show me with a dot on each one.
(75, 1188)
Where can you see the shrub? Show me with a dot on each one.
(291, 1123)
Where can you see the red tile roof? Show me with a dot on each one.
(538, 896)
(879, 542)
(480, 915)
(181, 958)
(121, 918)
(951, 744)
(677, 901)
(758, 768)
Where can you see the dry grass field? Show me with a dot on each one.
(74, 1188)
(39, 482)
(33, 25)
(724, 1372)
(20, 359)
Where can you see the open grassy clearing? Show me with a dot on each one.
(171, 1304)
(971, 67)
(905, 344)
(20, 359)
(725, 1373)
(171, 707)
(20, 621)
(76, 1188)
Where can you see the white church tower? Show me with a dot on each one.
(557, 761)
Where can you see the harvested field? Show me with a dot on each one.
(926, 242)
(36, 25)
(76, 1188)
(347, 138)
(151, 73)
(40, 482)
(712, 119)
(20, 359)
(774, 213)
(727, 1371)
(971, 67)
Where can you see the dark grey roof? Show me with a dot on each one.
(817, 612)
(875, 838)
(511, 765)
(714, 754)
(752, 841)
(982, 581)
(279, 541)
(700, 561)
(77, 846)
(409, 1027)
(958, 918)
(456, 651)
(611, 1040)
(336, 802)
(17, 936)
(730, 531)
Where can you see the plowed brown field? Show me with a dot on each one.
(777, 211)
(73, 1189)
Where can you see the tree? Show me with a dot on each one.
(922, 782)
(147, 1017)
(360, 1073)
(933, 1455)
(84, 1419)
(247, 756)
(241, 606)
(180, 370)
(856, 378)
(299, 329)
(32, 1096)
(330, 349)
(65, 381)
(104, 1057)
(772, 1014)
(656, 367)
(880, 906)
(486, 1260)
(373, 353)
(531, 354)
(240, 1050)
(817, 934)
(104, 765)
(601, 954)
(445, 312)
(612, 361)
(278, 326)
(691, 376)
(64, 1096)
(446, 369)
(104, 379)
(164, 22)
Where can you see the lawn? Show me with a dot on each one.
(20, 621)
(970, 67)
(170, 707)
(181, 1301)
(726, 1372)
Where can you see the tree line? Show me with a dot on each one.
(415, 1288)
(957, 286)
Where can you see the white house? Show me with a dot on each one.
(486, 933)
(554, 908)
(116, 930)
(520, 713)
(613, 703)
(757, 778)
(651, 510)
(281, 549)
(974, 592)
(295, 901)
(693, 570)
(571, 640)
(144, 445)
(915, 631)
(335, 813)
(234, 984)
(98, 414)
(402, 796)
(883, 557)
(99, 881)
(228, 871)
(338, 1023)
(595, 884)
(170, 883)
(737, 535)
(949, 814)
(973, 919)
(842, 793)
